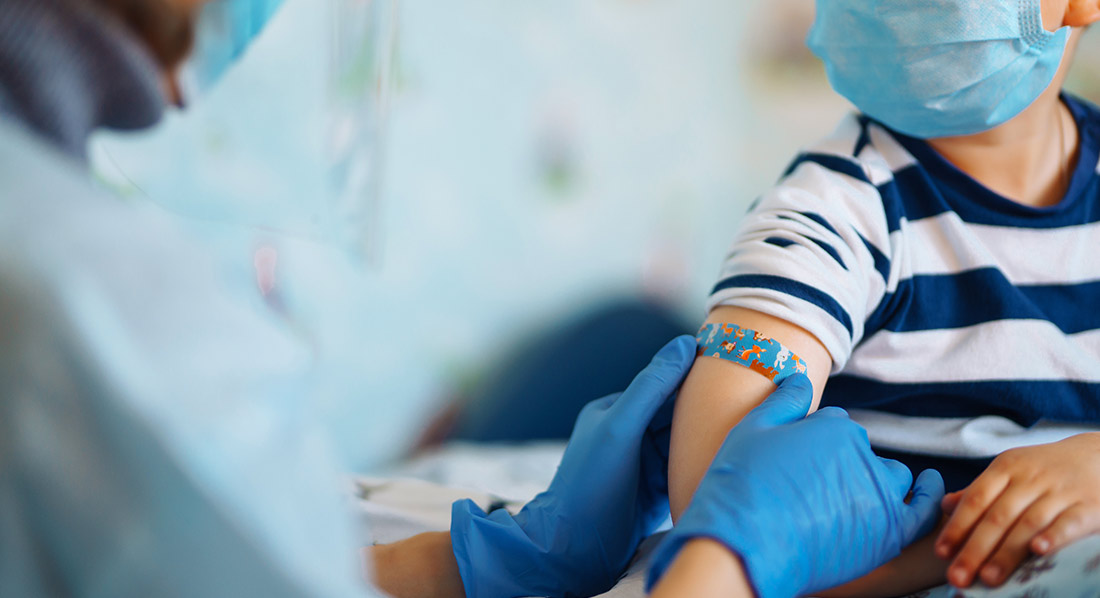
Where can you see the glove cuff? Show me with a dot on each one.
(666, 552)
(763, 557)
(476, 538)
(498, 558)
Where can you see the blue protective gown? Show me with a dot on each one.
(153, 434)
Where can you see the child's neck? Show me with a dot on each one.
(1029, 159)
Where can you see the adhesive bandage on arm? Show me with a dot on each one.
(750, 349)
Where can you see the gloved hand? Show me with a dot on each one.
(803, 502)
(610, 492)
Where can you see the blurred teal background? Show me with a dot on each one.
(541, 157)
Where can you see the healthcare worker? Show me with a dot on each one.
(154, 442)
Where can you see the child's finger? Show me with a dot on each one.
(1016, 546)
(1074, 523)
(951, 502)
(989, 532)
(975, 500)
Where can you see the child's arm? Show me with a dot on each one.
(810, 262)
(714, 398)
(705, 568)
(717, 394)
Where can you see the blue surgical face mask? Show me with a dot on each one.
(225, 30)
(938, 68)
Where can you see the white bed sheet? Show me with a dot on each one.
(416, 496)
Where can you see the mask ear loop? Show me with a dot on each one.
(173, 88)
(186, 83)
(1067, 152)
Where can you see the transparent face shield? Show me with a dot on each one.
(291, 140)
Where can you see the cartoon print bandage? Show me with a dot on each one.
(750, 349)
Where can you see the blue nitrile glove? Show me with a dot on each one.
(610, 492)
(803, 502)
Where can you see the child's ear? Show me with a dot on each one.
(1082, 13)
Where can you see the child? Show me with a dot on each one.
(934, 262)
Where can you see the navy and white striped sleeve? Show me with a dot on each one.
(814, 251)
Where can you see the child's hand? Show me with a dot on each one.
(1032, 499)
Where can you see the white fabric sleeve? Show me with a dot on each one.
(814, 251)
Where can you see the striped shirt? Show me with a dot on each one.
(960, 323)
